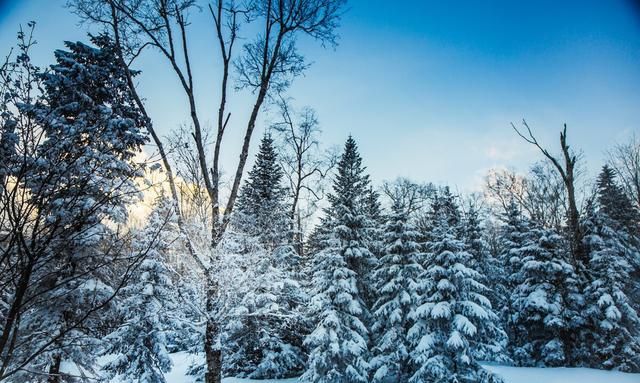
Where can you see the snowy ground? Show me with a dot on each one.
(509, 374)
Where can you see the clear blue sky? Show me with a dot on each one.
(428, 88)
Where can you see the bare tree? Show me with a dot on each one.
(566, 168)
(305, 165)
(541, 193)
(625, 160)
(267, 62)
(412, 196)
(194, 199)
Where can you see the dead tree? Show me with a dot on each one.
(566, 168)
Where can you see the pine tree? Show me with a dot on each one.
(338, 344)
(491, 342)
(453, 315)
(262, 210)
(350, 213)
(264, 337)
(514, 236)
(396, 281)
(341, 279)
(545, 303)
(149, 308)
(614, 202)
(612, 338)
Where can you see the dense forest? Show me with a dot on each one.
(119, 247)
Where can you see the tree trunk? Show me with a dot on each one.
(54, 369)
(14, 311)
(212, 344)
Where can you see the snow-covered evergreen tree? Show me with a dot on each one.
(341, 279)
(396, 278)
(262, 210)
(149, 309)
(338, 344)
(453, 315)
(613, 202)
(491, 342)
(514, 235)
(624, 218)
(545, 303)
(612, 336)
(263, 338)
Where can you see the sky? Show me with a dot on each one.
(427, 88)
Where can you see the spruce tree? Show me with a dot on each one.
(613, 202)
(396, 282)
(262, 209)
(453, 315)
(264, 338)
(514, 235)
(339, 342)
(491, 342)
(612, 335)
(545, 303)
(341, 277)
(149, 308)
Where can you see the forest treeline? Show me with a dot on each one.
(309, 269)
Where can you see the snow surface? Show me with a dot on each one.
(181, 362)
(561, 375)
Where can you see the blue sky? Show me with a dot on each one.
(428, 88)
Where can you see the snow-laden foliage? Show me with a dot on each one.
(612, 336)
(263, 336)
(76, 173)
(149, 308)
(453, 315)
(338, 344)
(491, 342)
(545, 303)
(262, 210)
(397, 281)
(341, 279)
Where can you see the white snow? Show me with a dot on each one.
(181, 362)
(561, 375)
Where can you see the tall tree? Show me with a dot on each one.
(341, 278)
(453, 313)
(491, 342)
(264, 339)
(546, 303)
(397, 284)
(266, 63)
(611, 337)
(262, 209)
(568, 173)
(76, 172)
